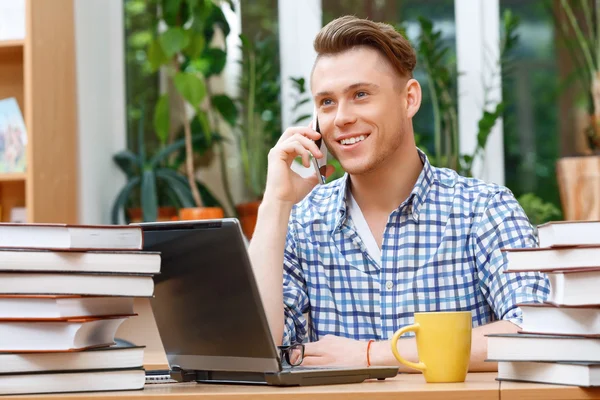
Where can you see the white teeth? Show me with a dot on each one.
(353, 140)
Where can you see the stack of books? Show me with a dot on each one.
(559, 342)
(64, 292)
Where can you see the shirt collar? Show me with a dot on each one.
(341, 204)
(415, 200)
(419, 193)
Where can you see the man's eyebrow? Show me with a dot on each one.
(349, 88)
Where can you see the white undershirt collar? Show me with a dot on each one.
(363, 230)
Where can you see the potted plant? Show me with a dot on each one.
(578, 174)
(184, 53)
(441, 76)
(259, 126)
(155, 189)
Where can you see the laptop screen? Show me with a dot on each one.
(206, 303)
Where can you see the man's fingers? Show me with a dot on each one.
(313, 349)
(307, 143)
(296, 149)
(301, 130)
(311, 361)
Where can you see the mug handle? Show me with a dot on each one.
(410, 328)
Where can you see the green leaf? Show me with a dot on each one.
(199, 65)
(208, 199)
(298, 84)
(149, 196)
(196, 45)
(214, 61)
(191, 87)
(300, 103)
(171, 12)
(140, 40)
(128, 162)
(180, 188)
(204, 124)
(121, 200)
(216, 18)
(198, 140)
(302, 118)
(173, 40)
(141, 142)
(156, 55)
(246, 44)
(226, 107)
(162, 120)
(165, 152)
(202, 10)
(135, 7)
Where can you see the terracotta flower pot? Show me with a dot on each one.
(195, 213)
(247, 214)
(164, 214)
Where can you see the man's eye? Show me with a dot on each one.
(361, 94)
(326, 102)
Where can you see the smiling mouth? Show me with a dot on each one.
(353, 140)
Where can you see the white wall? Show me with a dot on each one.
(477, 54)
(299, 23)
(99, 34)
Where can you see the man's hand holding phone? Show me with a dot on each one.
(283, 184)
(320, 165)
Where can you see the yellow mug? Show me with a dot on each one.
(443, 345)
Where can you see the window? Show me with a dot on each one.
(531, 91)
(406, 13)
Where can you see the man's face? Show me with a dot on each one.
(362, 108)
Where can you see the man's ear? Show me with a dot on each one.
(413, 97)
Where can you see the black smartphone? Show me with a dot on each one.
(320, 165)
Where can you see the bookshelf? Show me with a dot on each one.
(39, 71)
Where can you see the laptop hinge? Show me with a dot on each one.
(182, 375)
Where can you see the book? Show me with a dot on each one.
(576, 287)
(58, 335)
(76, 284)
(18, 215)
(13, 137)
(72, 381)
(568, 233)
(575, 374)
(114, 357)
(560, 320)
(552, 259)
(126, 261)
(70, 237)
(530, 347)
(53, 307)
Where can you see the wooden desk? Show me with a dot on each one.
(480, 386)
(533, 391)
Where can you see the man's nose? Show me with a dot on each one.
(344, 115)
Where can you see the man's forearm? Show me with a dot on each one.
(479, 344)
(381, 353)
(266, 254)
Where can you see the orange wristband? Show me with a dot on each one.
(368, 348)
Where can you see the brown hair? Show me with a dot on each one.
(346, 32)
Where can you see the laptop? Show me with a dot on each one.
(210, 315)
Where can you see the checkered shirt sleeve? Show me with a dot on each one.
(505, 225)
(295, 298)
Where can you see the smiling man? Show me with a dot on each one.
(394, 236)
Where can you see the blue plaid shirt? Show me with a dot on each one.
(441, 251)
